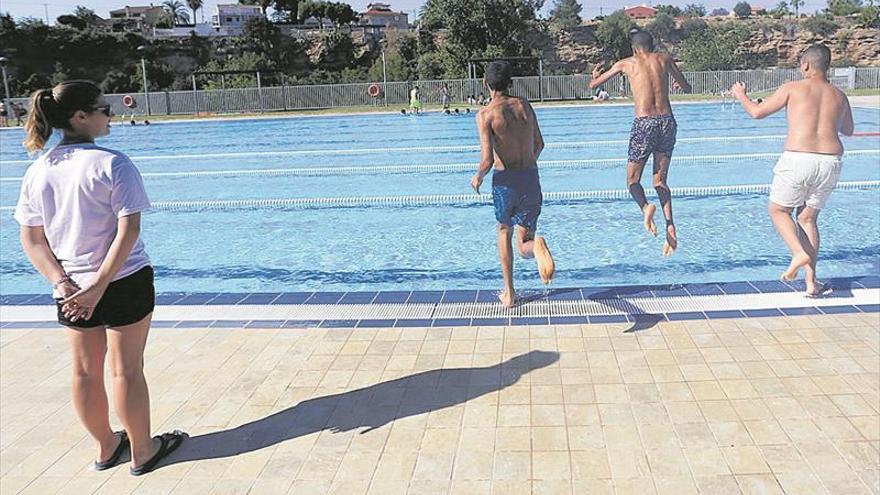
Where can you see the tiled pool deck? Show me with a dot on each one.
(748, 403)
(639, 305)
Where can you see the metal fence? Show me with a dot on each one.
(396, 94)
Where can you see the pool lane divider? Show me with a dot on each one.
(417, 149)
(330, 170)
(461, 199)
(639, 306)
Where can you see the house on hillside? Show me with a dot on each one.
(640, 12)
(138, 18)
(381, 15)
(229, 19)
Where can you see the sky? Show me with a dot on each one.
(55, 8)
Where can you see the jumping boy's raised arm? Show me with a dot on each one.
(487, 154)
(774, 103)
(678, 77)
(600, 79)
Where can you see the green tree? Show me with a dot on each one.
(843, 7)
(823, 25)
(613, 35)
(337, 51)
(82, 18)
(669, 9)
(566, 14)
(175, 12)
(341, 13)
(194, 5)
(870, 17)
(481, 28)
(401, 58)
(720, 47)
(692, 27)
(796, 5)
(261, 36)
(694, 10)
(742, 10)
(662, 27)
(781, 10)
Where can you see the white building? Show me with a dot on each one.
(229, 19)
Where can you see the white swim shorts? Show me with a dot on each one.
(804, 179)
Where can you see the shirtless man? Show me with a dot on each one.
(808, 170)
(654, 128)
(511, 142)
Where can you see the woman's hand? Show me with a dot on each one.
(81, 304)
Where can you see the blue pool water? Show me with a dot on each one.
(452, 246)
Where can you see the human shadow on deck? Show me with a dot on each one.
(368, 408)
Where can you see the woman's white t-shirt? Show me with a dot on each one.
(77, 193)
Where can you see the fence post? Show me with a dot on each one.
(541, 79)
(259, 92)
(167, 103)
(195, 96)
(284, 89)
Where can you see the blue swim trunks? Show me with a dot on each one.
(517, 196)
(651, 134)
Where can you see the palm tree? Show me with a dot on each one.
(194, 5)
(175, 12)
(797, 4)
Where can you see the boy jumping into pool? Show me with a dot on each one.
(511, 142)
(654, 128)
(808, 169)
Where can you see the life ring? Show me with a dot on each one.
(374, 90)
(129, 101)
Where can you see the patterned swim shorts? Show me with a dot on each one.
(655, 133)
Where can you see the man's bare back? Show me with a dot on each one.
(816, 111)
(649, 75)
(512, 129)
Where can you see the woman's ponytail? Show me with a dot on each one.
(39, 123)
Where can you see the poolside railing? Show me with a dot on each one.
(395, 95)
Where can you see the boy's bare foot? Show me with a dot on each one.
(546, 266)
(507, 298)
(797, 262)
(671, 243)
(649, 211)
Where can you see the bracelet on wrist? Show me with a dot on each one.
(65, 278)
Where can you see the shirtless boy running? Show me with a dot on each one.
(809, 168)
(654, 128)
(511, 142)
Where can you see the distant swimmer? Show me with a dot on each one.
(510, 142)
(654, 128)
(809, 168)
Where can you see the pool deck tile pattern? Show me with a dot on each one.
(728, 405)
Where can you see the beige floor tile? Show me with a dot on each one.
(550, 465)
(511, 487)
(717, 485)
(512, 466)
(745, 460)
(634, 486)
(759, 485)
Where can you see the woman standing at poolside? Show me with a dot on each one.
(80, 210)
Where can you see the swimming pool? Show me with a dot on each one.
(382, 202)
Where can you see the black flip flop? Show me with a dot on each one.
(117, 454)
(169, 443)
